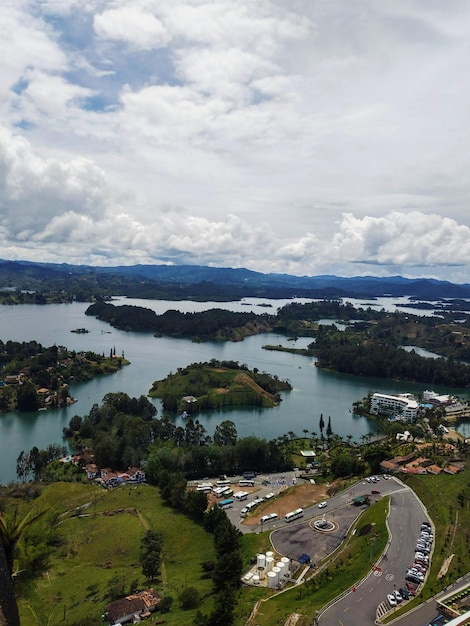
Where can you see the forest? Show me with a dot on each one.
(214, 324)
(123, 431)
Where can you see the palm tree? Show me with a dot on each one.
(11, 530)
(8, 608)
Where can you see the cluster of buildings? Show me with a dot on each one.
(105, 476)
(405, 407)
(418, 462)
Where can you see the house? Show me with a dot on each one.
(134, 475)
(132, 608)
(92, 471)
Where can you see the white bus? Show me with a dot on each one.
(244, 482)
(223, 482)
(249, 507)
(290, 517)
(220, 491)
(206, 488)
(240, 495)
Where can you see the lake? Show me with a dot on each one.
(314, 391)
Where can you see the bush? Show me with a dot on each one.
(190, 598)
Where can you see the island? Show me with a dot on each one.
(202, 386)
(35, 378)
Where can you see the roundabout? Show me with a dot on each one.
(324, 525)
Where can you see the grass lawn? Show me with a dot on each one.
(100, 535)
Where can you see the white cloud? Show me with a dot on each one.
(139, 29)
(404, 239)
(281, 136)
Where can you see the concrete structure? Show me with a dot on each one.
(403, 406)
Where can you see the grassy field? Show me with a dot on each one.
(100, 534)
(100, 541)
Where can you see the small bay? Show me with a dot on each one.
(314, 391)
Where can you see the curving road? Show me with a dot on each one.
(361, 606)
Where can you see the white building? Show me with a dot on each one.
(403, 406)
(435, 398)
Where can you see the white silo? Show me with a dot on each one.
(282, 570)
(256, 579)
(261, 560)
(286, 560)
(269, 554)
(277, 571)
(272, 580)
(269, 563)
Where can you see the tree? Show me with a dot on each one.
(190, 598)
(329, 430)
(11, 529)
(225, 434)
(321, 425)
(151, 554)
(8, 607)
(27, 398)
(23, 466)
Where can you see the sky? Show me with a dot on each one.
(303, 137)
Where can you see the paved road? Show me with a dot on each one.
(360, 607)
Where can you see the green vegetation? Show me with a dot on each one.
(99, 535)
(36, 377)
(93, 553)
(215, 384)
(214, 324)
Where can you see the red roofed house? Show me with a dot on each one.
(133, 607)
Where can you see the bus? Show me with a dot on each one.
(205, 488)
(220, 491)
(245, 482)
(223, 482)
(226, 504)
(290, 517)
(249, 507)
(240, 495)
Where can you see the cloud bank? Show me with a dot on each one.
(303, 138)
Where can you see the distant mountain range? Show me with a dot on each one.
(191, 279)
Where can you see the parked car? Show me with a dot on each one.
(411, 587)
(391, 599)
(322, 505)
(375, 491)
(397, 595)
(405, 594)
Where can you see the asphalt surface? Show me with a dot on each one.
(368, 600)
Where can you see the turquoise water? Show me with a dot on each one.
(314, 391)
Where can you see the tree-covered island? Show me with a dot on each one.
(214, 324)
(365, 343)
(210, 385)
(34, 377)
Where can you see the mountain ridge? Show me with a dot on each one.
(38, 275)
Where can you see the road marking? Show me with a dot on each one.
(377, 573)
(389, 576)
